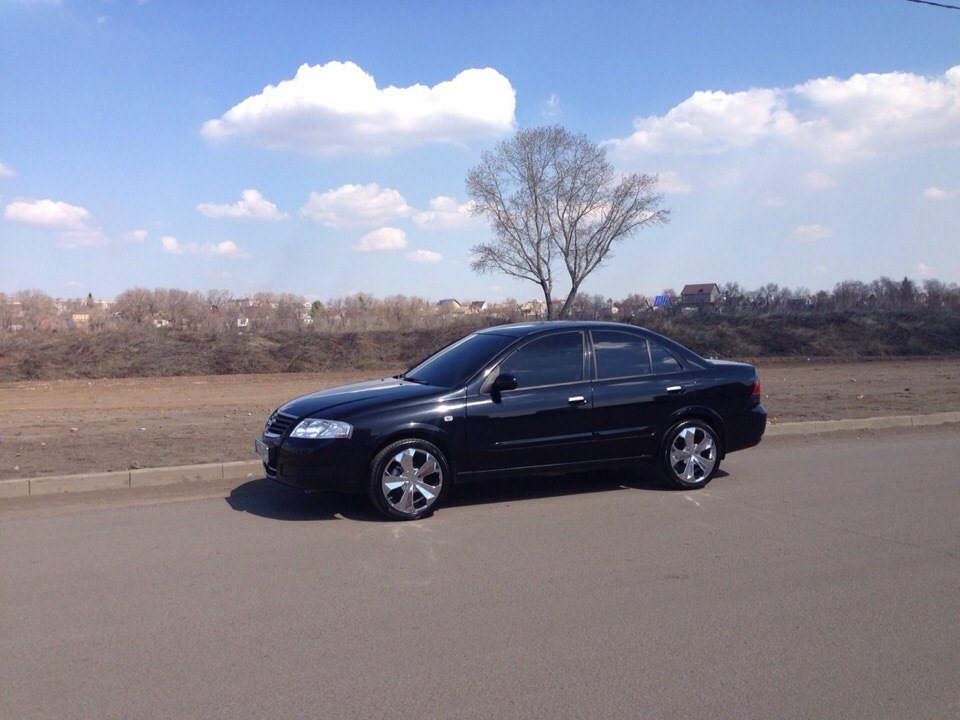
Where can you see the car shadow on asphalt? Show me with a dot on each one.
(272, 500)
(268, 499)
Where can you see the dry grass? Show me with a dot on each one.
(150, 352)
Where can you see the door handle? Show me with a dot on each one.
(577, 400)
(675, 389)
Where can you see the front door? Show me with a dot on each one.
(545, 420)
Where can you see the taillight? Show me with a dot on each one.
(755, 393)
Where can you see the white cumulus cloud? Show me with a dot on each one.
(72, 221)
(424, 256)
(810, 233)
(225, 248)
(864, 115)
(385, 238)
(6, 172)
(671, 183)
(445, 213)
(337, 107)
(355, 205)
(935, 193)
(924, 268)
(712, 121)
(251, 205)
(135, 236)
(53, 214)
(551, 108)
(816, 180)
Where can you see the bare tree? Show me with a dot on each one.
(180, 307)
(136, 305)
(38, 311)
(553, 199)
(936, 292)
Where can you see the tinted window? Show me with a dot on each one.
(663, 361)
(620, 354)
(547, 361)
(459, 361)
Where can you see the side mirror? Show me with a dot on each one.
(503, 383)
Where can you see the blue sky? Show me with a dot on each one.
(141, 142)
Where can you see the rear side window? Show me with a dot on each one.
(663, 361)
(550, 360)
(620, 354)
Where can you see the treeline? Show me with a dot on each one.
(150, 352)
(217, 311)
(172, 332)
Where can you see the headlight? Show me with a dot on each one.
(322, 429)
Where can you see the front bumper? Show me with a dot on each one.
(334, 465)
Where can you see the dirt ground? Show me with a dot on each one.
(75, 426)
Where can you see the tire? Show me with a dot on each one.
(408, 479)
(689, 455)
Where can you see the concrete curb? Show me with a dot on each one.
(876, 423)
(250, 469)
(147, 477)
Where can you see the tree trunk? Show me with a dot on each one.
(565, 310)
(547, 292)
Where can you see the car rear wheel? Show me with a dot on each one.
(690, 454)
(408, 479)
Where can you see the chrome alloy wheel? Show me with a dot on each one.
(693, 454)
(411, 481)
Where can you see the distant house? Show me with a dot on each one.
(450, 306)
(79, 320)
(699, 295)
(478, 306)
(533, 308)
(661, 302)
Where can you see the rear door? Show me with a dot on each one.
(546, 419)
(638, 385)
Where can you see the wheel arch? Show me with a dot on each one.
(704, 414)
(415, 431)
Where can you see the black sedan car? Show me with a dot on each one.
(536, 397)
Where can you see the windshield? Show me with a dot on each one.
(458, 362)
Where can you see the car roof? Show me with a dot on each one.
(530, 328)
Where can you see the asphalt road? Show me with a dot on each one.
(820, 578)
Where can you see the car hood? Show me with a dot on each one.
(384, 390)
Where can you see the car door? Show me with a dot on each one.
(638, 385)
(545, 420)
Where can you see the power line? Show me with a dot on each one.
(935, 4)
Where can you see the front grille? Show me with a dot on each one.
(279, 423)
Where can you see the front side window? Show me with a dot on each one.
(459, 361)
(620, 354)
(550, 360)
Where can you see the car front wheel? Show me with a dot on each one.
(689, 456)
(408, 479)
